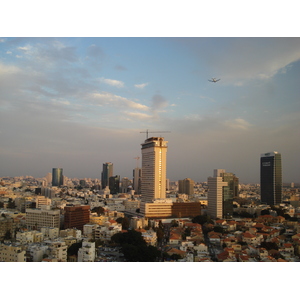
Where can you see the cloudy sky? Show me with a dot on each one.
(76, 103)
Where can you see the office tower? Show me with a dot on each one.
(270, 178)
(230, 192)
(114, 184)
(57, 177)
(137, 178)
(76, 216)
(222, 188)
(186, 186)
(154, 168)
(108, 170)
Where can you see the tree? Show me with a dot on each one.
(11, 203)
(99, 210)
(73, 249)
(202, 219)
(265, 212)
(134, 247)
(124, 221)
(7, 235)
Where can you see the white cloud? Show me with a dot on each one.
(60, 102)
(8, 52)
(238, 124)
(112, 82)
(139, 116)
(26, 48)
(141, 86)
(117, 101)
(8, 69)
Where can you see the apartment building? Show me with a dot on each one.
(11, 253)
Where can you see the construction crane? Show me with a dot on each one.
(137, 161)
(147, 131)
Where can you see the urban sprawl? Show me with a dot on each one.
(147, 218)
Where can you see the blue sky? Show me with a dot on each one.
(76, 103)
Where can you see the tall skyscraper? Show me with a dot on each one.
(154, 169)
(57, 177)
(270, 178)
(108, 170)
(222, 188)
(137, 178)
(114, 184)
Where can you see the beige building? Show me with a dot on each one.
(157, 209)
(50, 232)
(215, 194)
(26, 237)
(186, 186)
(42, 200)
(154, 169)
(57, 250)
(37, 218)
(11, 253)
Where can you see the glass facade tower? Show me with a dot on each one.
(106, 173)
(57, 177)
(271, 178)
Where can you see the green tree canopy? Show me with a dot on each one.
(134, 247)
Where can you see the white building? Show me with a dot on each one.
(87, 252)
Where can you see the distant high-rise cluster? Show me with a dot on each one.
(271, 178)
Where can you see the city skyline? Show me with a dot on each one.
(78, 102)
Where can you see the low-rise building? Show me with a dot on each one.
(11, 253)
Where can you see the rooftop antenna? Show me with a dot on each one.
(147, 132)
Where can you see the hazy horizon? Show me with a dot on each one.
(77, 103)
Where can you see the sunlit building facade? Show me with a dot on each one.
(154, 168)
(222, 189)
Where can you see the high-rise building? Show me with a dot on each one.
(108, 170)
(154, 203)
(154, 169)
(57, 177)
(137, 178)
(186, 186)
(222, 189)
(114, 184)
(271, 178)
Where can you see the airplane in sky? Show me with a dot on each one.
(214, 80)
